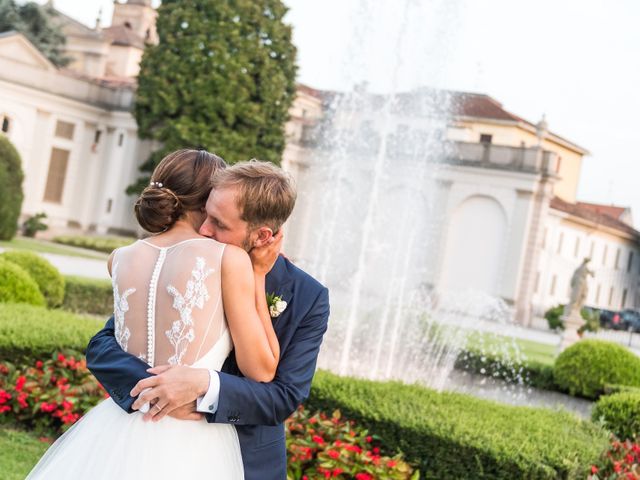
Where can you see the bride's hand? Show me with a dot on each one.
(263, 258)
(187, 412)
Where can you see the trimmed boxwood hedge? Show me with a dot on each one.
(100, 244)
(529, 372)
(586, 367)
(88, 295)
(620, 413)
(49, 280)
(31, 333)
(17, 286)
(452, 435)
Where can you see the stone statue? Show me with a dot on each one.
(579, 289)
(572, 317)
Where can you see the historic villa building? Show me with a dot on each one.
(512, 226)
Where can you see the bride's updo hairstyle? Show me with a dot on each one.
(179, 184)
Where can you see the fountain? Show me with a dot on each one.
(369, 209)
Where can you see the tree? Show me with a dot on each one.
(36, 23)
(11, 195)
(222, 78)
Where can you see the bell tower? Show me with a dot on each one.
(137, 15)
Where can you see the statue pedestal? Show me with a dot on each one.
(572, 323)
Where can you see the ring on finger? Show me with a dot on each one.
(158, 407)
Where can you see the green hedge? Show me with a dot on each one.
(528, 372)
(17, 286)
(101, 244)
(587, 366)
(49, 280)
(30, 333)
(458, 436)
(88, 295)
(620, 413)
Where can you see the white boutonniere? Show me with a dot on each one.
(276, 305)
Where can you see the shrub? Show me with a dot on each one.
(620, 461)
(587, 366)
(49, 396)
(11, 195)
(49, 280)
(88, 295)
(34, 224)
(17, 286)
(29, 333)
(611, 388)
(527, 372)
(319, 446)
(620, 413)
(101, 244)
(556, 323)
(451, 435)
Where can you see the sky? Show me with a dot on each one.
(576, 61)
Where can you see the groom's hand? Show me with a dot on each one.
(170, 388)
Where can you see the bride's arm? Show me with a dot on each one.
(243, 293)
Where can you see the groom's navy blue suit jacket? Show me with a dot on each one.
(257, 409)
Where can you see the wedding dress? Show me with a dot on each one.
(167, 310)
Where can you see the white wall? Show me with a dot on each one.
(566, 243)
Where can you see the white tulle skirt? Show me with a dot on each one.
(108, 443)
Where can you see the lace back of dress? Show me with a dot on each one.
(168, 302)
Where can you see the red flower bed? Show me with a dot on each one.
(621, 461)
(322, 447)
(49, 396)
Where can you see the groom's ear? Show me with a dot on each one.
(264, 237)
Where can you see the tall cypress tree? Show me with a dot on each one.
(222, 78)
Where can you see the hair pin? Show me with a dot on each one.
(155, 184)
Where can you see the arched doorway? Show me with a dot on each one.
(474, 247)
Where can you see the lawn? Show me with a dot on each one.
(534, 351)
(19, 452)
(43, 246)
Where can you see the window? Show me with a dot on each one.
(485, 138)
(109, 205)
(576, 249)
(604, 256)
(552, 291)
(610, 296)
(96, 137)
(537, 284)
(624, 298)
(630, 262)
(120, 139)
(598, 293)
(560, 240)
(558, 164)
(6, 124)
(64, 129)
(544, 238)
(56, 176)
(618, 252)
(592, 248)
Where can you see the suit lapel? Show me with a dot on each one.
(280, 283)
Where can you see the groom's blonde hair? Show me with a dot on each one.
(266, 196)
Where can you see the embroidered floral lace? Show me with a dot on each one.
(170, 311)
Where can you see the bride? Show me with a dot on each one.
(179, 299)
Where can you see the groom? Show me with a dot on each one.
(248, 204)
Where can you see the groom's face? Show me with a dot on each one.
(224, 223)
